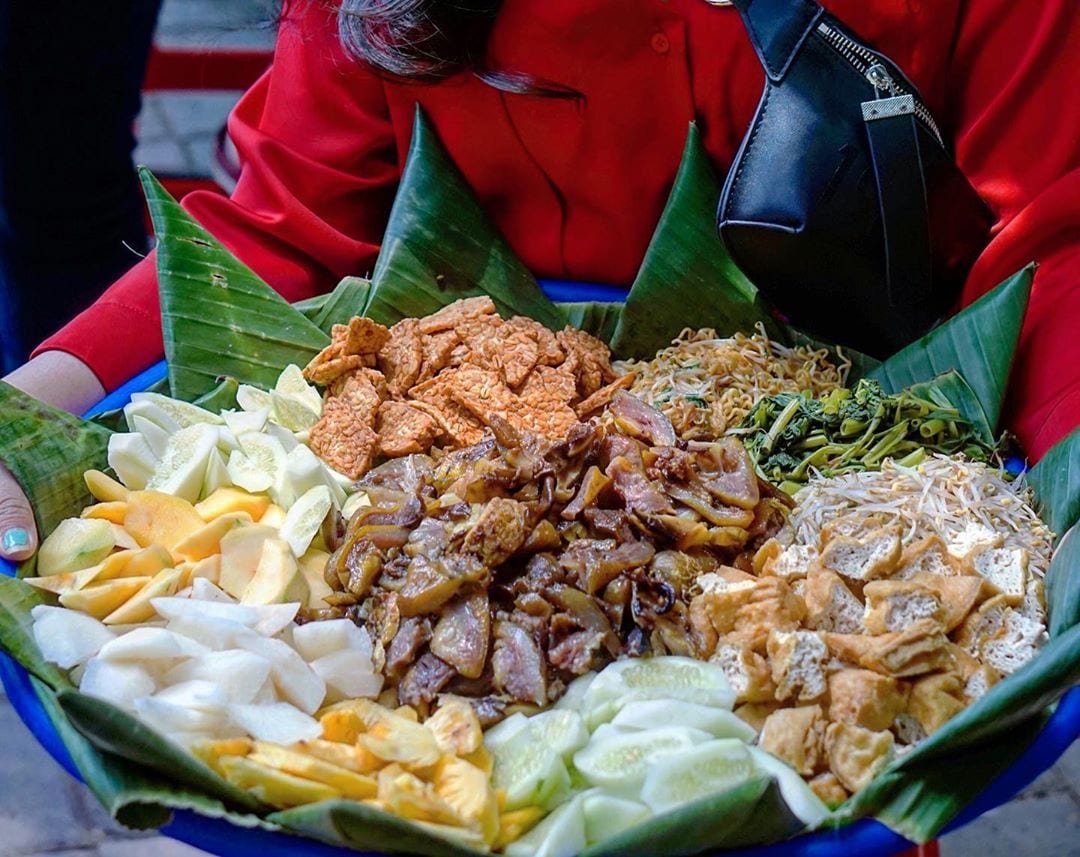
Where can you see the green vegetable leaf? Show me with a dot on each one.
(749, 814)
(17, 599)
(1056, 482)
(440, 246)
(1063, 585)
(218, 317)
(47, 451)
(979, 342)
(596, 317)
(687, 278)
(957, 392)
(347, 300)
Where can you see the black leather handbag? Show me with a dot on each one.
(843, 205)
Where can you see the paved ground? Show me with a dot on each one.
(45, 812)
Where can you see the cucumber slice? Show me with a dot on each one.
(707, 769)
(304, 518)
(561, 834)
(291, 384)
(282, 435)
(132, 459)
(717, 722)
(244, 473)
(265, 453)
(669, 677)
(183, 468)
(183, 413)
(252, 398)
(151, 412)
(155, 435)
(292, 414)
(618, 761)
(607, 815)
(800, 798)
(217, 475)
(575, 692)
(245, 422)
(562, 730)
(499, 735)
(305, 470)
(530, 773)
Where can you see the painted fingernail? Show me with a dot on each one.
(15, 539)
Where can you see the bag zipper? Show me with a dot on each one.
(871, 66)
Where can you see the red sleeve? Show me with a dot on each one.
(319, 174)
(1015, 80)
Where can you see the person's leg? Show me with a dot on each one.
(70, 206)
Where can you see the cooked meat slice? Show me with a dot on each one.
(427, 587)
(728, 473)
(596, 562)
(610, 523)
(410, 637)
(500, 530)
(404, 429)
(518, 664)
(636, 490)
(578, 652)
(424, 680)
(602, 397)
(462, 635)
(344, 439)
(639, 420)
(549, 352)
(402, 356)
(593, 484)
(450, 315)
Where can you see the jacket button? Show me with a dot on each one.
(660, 43)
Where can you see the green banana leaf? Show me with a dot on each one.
(348, 299)
(1056, 482)
(750, 814)
(958, 393)
(47, 451)
(218, 318)
(17, 599)
(687, 278)
(979, 342)
(599, 318)
(310, 306)
(1063, 585)
(440, 246)
(221, 398)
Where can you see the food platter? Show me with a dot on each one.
(421, 566)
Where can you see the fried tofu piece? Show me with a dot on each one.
(936, 699)
(857, 755)
(402, 356)
(718, 607)
(772, 606)
(1034, 603)
(755, 714)
(1016, 642)
(852, 525)
(927, 556)
(1004, 568)
(790, 563)
(918, 649)
(870, 556)
(747, 672)
(452, 314)
(865, 698)
(602, 397)
(893, 605)
(797, 660)
(831, 605)
(978, 677)
(908, 730)
(343, 439)
(404, 429)
(549, 353)
(981, 625)
(827, 787)
(959, 595)
(768, 551)
(796, 736)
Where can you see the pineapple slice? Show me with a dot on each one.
(112, 511)
(349, 783)
(410, 797)
(272, 786)
(103, 487)
(468, 790)
(346, 721)
(482, 759)
(515, 824)
(348, 756)
(211, 752)
(395, 739)
(408, 712)
(456, 728)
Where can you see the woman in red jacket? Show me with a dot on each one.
(577, 184)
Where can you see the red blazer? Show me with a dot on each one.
(577, 190)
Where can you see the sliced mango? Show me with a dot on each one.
(103, 487)
(101, 599)
(211, 752)
(206, 540)
(274, 516)
(349, 783)
(138, 608)
(124, 539)
(112, 511)
(149, 561)
(271, 786)
(225, 501)
(154, 518)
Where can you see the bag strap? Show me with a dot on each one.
(777, 29)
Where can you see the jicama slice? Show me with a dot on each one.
(183, 413)
(618, 761)
(561, 834)
(198, 694)
(607, 815)
(348, 674)
(252, 398)
(304, 518)
(176, 608)
(292, 676)
(75, 544)
(240, 673)
(151, 644)
(204, 589)
(707, 769)
(315, 640)
(799, 797)
(156, 436)
(530, 773)
(169, 717)
(120, 684)
(716, 721)
(278, 722)
(132, 459)
(66, 637)
(183, 468)
(669, 677)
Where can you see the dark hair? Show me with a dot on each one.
(431, 40)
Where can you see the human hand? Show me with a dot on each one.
(60, 380)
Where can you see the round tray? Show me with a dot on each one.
(865, 837)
